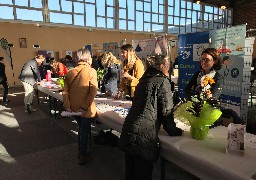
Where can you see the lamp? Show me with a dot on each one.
(223, 7)
(197, 2)
(36, 46)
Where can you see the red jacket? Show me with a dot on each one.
(62, 69)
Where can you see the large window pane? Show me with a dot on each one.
(139, 5)
(78, 7)
(122, 24)
(110, 23)
(122, 3)
(36, 3)
(66, 5)
(155, 18)
(131, 25)
(101, 22)
(147, 27)
(122, 13)
(131, 10)
(110, 2)
(170, 2)
(161, 19)
(189, 5)
(170, 19)
(79, 20)
(189, 14)
(155, 9)
(6, 12)
(91, 1)
(183, 13)
(54, 5)
(21, 3)
(170, 10)
(6, 2)
(25, 14)
(100, 9)
(61, 18)
(147, 7)
(110, 12)
(90, 15)
(147, 17)
(161, 9)
(139, 21)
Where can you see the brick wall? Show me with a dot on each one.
(245, 13)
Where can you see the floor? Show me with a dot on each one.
(38, 146)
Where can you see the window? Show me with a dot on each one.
(180, 16)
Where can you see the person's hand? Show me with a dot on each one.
(126, 75)
(68, 109)
(118, 95)
(83, 111)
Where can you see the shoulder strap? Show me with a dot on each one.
(76, 77)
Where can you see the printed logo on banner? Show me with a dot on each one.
(198, 49)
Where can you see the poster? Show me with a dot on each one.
(144, 48)
(230, 43)
(190, 47)
(111, 47)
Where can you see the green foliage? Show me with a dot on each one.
(100, 74)
(61, 81)
(197, 114)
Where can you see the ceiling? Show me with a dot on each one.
(228, 3)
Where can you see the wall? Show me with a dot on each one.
(57, 39)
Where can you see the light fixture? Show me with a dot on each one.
(10, 45)
(198, 2)
(36, 46)
(223, 7)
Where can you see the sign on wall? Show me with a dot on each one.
(111, 47)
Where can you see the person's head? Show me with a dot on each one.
(125, 50)
(160, 62)
(128, 55)
(84, 55)
(39, 59)
(68, 58)
(54, 64)
(1, 58)
(210, 59)
(107, 58)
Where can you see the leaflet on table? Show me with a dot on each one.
(236, 138)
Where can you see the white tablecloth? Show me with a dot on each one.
(206, 159)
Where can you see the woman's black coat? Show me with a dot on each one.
(152, 106)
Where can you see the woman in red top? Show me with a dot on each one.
(59, 69)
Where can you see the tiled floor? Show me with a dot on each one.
(37, 146)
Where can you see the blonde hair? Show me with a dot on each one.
(107, 59)
(84, 55)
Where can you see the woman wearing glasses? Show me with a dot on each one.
(210, 64)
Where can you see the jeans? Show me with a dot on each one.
(5, 85)
(84, 128)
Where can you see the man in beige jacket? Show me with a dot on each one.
(79, 92)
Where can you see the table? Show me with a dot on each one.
(206, 159)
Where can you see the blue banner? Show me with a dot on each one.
(190, 47)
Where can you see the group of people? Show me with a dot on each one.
(148, 87)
